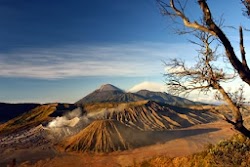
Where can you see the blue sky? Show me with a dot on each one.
(59, 51)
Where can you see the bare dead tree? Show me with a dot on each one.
(205, 76)
(175, 8)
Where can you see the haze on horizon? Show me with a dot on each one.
(59, 51)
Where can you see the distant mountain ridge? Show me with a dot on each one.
(111, 93)
(163, 97)
(9, 111)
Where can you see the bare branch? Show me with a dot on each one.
(244, 72)
(211, 27)
(242, 49)
(186, 21)
(204, 76)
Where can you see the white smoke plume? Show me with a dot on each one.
(62, 121)
(68, 124)
(75, 120)
(70, 119)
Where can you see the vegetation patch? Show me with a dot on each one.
(234, 152)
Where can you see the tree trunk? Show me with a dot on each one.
(238, 123)
(242, 69)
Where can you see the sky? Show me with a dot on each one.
(60, 50)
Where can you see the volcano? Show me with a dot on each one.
(111, 93)
(124, 126)
(109, 87)
(103, 136)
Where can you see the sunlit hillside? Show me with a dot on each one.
(231, 152)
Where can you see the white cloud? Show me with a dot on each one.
(228, 87)
(195, 95)
(161, 87)
(201, 97)
(134, 59)
(152, 86)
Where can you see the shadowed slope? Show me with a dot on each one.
(9, 111)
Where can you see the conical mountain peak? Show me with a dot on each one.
(109, 87)
(111, 93)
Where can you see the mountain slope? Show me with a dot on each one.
(108, 93)
(109, 87)
(149, 115)
(163, 97)
(102, 136)
(33, 117)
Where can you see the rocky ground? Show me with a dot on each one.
(31, 144)
(178, 142)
